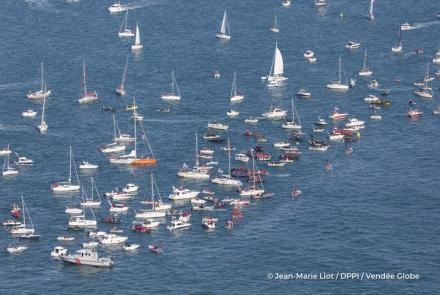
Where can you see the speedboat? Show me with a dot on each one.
(232, 114)
(352, 45)
(87, 257)
(65, 238)
(242, 157)
(29, 113)
(130, 188)
(275, 114)
(371, 98)
(117, 7)
(87, 165)
(180, 193)
(130, 247)
(23, 161)
(414, 113)
(15, 249)
(251, 120)
(209, 222)
(337, 115)
(112, 148)
(407, 27)
(58, 251)
(112, 239)
(309, 54)
(217, 126)
(303, 93)
(177, 224)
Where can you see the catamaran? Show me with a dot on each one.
(175, 92)
(224, 29)
(235, 95)
(121, 88)
(371, 13)
(365, 71)
(275, 27)
(277, 68)
(42, 127)
(227, 179)
(43, 92)
(337, 85)
(91, 202)
(67, 186)
(23, 229)
(86, 97)
(7, 169)
(293, 124)
(398, 47)
(153, 213)
(124, 32)
(196, 172)
(137, 43)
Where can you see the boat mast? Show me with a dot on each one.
(42, 79)
(229, 159)
(70, 164)
(172, 81)
(371, 10)
(152, 192)
(135, 137)
(275, 22)
(197, 151)
(365, 59)
(84, 79)
(125, 73)
(42, 113)
(234, 86)
(24, 213)
(340, 79)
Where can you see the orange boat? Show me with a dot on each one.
(144, 162)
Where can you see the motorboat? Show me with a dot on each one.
(111, 219)
(218, 126)
(232, 113)
(371, 98)
(309, 54)
(407, 27)
(177, 224)
(206, 151)
(352, 45)
(303, 93)
(130, 247)
(209, 222)
(80, 222)
(242, 157)
(200, 205)
(318, 145)
(29, 113)
(87, 256)
(436, 111)
(118, 208)
(355, 123)
(16, 248)
(286, 3)
(276, 164)
(6, 151)
(117, 7)
(112, 148)
(65, 238)
(70, 210)
(216, 75)
(136, 116)
(336, 115)
(275, 114)
(224, 33)
(90, 244)
(320, 3)
(112, 239)
(376, 117)
(180, 193)
(119, 196)
(296, 192)
(88, 165)
(24, 161)
(157, 248)
(251, 120)
(57, 252)
(11, 222)
(281, 144)
(414, 113)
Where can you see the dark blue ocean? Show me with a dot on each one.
(377, 211)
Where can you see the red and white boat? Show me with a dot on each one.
(337, 115)
(16, 211)
(296, 192)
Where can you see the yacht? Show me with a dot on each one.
(80, 222)
(236, 96)
(303, 93)
(293, 124)
(242, 157)
(365, 71)
(251, 120)
(218, 126)
(112, 239)
(67, 186)
(276, 73)
(174, 95)
(91, 202)
(275, 28)
(352, 45)
(130, 188)
(23, 161)
(153, 213)
(7, 169)
(88, 165)
(86, 97)
(120, 90)
(43, 92)
(224, 29)
(125, 32)
(355, 124)
(117, 207)
(130, 247)
(320, 3)
(16, 248)
(137, 44)
(58, 251)
(275, 114)
(337, 85)
(398, 47)
(87, 257)
(70, 210)
(29, 114)
(6, 151)
(227, 178)
(117, 7)
(42, 127)
(197, 172)
(178, 224)
(180, 193)
(232, 114)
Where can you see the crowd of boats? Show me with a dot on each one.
(247, 178)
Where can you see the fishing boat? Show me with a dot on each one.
(398, 47)
(275, 113)
(16, 248)
(87, 256)
(117, 7)
(277, 68)
(120, 90)
(235, 96)
(29, 113)
(67, 186)
(224, 33)
(125, 32)
(43, 92)
(86, 97)
(24, 229)
(153, 213)
(226, 179)
(42, 127)
(57, 252)
(365, 71)
(8, 170)
(174, 95)
(407, 27)
(371, 12)
(91, 202)
(352, 45)
(293, 124)
(337, 85)
(275, 28)
(196, 172)
(137, 43)
(232, 114)
(181, 193)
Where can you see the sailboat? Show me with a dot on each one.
(293, 124)
(175, 92)
(43, 92)
(153, 213)
(124, 32)
(81, 222)
(120, 137)
(86, 97)
(137, 43)
(148, 160)
(365, 71)
(275, 27)
(398, 47)
(371, 13)
(24, 230)
(277, 68)
(235, 95)
(227, 178)
(7, 169)
(253, 190)
(196, 172)
(91, 202)
(224, 29)
(128, 158)
(67, 186)
(425, 91)
(121, 88)
(42, 127)
(337, 85)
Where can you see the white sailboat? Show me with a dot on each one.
(91, 202)
(398, 47)
(227, 179)
(196, 172)
(371, 13)
(224, 29)
(235, 95)
(293, 124)
(365, 71)
(42, 127)
(43, 92)
(67, 186)
(254, 190)
(130, 157)
(337, 85)
(137, 43)
(81, 222)
(121, 137)
(7, 169)
(124, 32)
(175, 92)
(23, 229)
(153, 213)
(275, 28)
(86, 97)
(277, 68)
(121, 88)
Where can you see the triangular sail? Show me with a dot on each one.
(42, 113)
(371, 14)
(42, 78)
(225, 26)
(365, 60)
(278, 66)
(125, 73)
(138, 36)
(234, 85)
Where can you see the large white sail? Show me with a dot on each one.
(371, 15)
(224, 23)
(278, 66)
(138, 36)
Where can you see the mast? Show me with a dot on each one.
(365, 59)
(152, 192)
(340, 80)
(273, 60)
(371, 10)
(138, 36)
(70, 164)
(135, 137)
(275, 22)
(24, 213)
(42, 79)
(234, 85)
(197, 151)
(126, 19)
(229, 159)
(253, 168)
(84, 79)
(125, 73)
(293, 114)
(172, 81)
(42, 113)
(114, 125)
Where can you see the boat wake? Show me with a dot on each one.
(282, 175)
(426, 25)
(142, 3)
(16, 85)
(14, 127)
(39, 4)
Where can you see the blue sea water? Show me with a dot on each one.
(376, 211)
